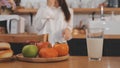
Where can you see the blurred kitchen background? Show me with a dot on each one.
(110, 21)
(81, 20)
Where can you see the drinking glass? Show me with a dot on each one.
(94, 38)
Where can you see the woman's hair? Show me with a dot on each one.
(64, 7)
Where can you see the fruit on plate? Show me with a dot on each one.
(43, 45)
(62, 49)
(48, 53)
(30, 51)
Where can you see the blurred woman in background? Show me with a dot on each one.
(56, 20)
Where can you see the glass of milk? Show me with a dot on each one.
(94, 38)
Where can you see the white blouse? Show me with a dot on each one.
(49, 20)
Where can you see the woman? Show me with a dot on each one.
(56, 19)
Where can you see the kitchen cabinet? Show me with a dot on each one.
(111, 46)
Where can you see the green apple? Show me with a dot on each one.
(30, 51)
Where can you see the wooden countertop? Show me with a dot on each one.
(73, 62)
(76, 10)
(97, 10)
(20, 38)
(77, 33)
(82, 36)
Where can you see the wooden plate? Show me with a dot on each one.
(6, 59)
(20, 57)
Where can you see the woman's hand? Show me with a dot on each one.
(67, 34)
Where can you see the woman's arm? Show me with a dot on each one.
(67, 32)
(41, 19)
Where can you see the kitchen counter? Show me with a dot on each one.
(82, 36)
(77, 44)
(21, 38)
(72, 62)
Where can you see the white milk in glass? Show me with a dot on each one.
(95, 47)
